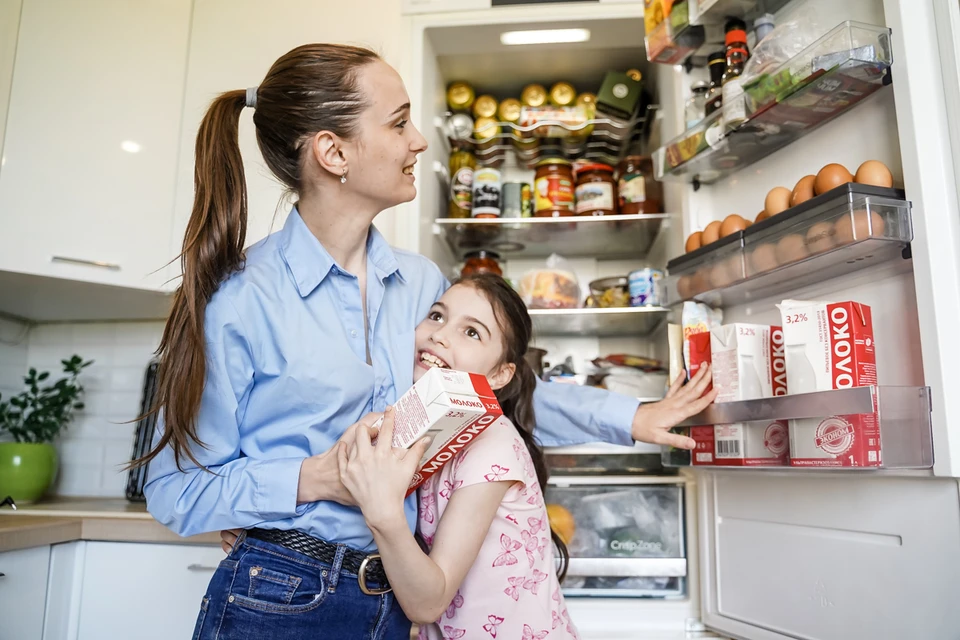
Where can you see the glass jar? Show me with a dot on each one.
(596, 190)
(553, 188)
(481, 262)
(639, 192)
(694, 109)
(462, 165)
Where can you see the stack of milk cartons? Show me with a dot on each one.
(748, 364)
(830, 345)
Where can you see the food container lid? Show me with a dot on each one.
(700, 86)
(593, 166)
(548, 161)
(608, 283)
(482, 254)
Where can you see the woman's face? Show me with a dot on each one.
(382, 154)
(461, 333)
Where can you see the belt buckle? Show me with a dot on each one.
(362, 578)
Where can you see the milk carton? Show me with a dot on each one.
(748, 364)
(452, 407)
(830, 346)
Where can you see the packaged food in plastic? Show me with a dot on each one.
(555, 287)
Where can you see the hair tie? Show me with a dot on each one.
(252, 97)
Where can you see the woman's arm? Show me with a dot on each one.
(240, 491)
(378, 475)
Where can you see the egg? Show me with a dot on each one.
(731, 224)
(803, 190)
(763, 215)
(875, 173)
(701, 281)
(791, 248)
(734, 266)
(861, 226)
(820, 237)
(694, 241)
(719, 277)
(685, 287)
(763, 258)
(777, 200)
(830, 177)
(711, 233)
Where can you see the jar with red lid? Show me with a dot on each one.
(553, 188)
(481, 262)
(638, 191)
(596, 190)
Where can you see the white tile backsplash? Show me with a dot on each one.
(13, 356)
(100, 440)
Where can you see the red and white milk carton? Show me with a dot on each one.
(748, 364)
(452, 407)
(830, 346)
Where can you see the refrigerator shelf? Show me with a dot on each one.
(904, 420)
(627, 567)
(839, 232)
(604, 237)
(825, 80)
(601, 323)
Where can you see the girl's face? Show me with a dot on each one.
(461, 332)
(382, 155)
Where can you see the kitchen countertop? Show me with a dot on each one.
(57, 520)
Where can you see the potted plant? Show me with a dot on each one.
(34, 418)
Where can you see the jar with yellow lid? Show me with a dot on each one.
(460, 96)
(485, 107)
(534, 95)
(486, 132)
(562, 94)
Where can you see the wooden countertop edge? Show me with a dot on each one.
(21, 531)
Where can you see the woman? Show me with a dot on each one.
(269, 358)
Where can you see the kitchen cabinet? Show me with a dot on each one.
(106, 589)
(90, 153)
(23, 592)
(9, 23)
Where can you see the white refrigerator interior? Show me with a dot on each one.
(772, 553)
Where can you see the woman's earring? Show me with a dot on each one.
(343, 178)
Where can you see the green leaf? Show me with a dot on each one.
(43, 376)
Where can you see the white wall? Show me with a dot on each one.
(100, 439)
(13, 356)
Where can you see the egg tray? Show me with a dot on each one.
(846, 215)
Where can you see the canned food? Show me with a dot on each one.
(460, 96)
(643, 286)
(512, 203)
(533, 95)
(486, 193)
(460, 127)
(485, 107)
(486, 132)
(510, 111)
(562, 94)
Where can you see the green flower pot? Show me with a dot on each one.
(26, 470)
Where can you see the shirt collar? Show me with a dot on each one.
(310, 263)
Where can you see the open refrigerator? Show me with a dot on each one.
(754, 553)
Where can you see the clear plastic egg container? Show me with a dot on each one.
(713, 266)
(831, 222)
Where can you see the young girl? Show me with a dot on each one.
(490, 571)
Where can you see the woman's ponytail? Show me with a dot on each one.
(212, 250)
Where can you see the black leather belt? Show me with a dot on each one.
(368, 567)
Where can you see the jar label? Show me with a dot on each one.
(486, 194)
(632, 188)
(461, 189)
(593, 196)
(553, 193)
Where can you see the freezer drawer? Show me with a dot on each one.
(625, 540)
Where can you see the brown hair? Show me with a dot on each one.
(310, 89)
(516, 398)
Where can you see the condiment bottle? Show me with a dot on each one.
(717, 62)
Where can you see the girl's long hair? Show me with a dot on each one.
(516, 398)
(312, 88)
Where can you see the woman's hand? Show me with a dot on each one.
(378, 475)
(320, 474)
(228, 538)
(652, 422)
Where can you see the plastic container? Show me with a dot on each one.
(610, 292)
(718, 264)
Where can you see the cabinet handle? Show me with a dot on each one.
(200, 567)
(88, 263)
(3, 575)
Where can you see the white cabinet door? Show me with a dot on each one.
(23, 592)
(90, 154)
(147, 591)
(9, 23)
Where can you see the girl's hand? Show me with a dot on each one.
(652, 422)
(228, 538)
(320, 474)
(378, 475)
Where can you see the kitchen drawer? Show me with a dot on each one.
(628, 539)
(23, 592)
(155, 589)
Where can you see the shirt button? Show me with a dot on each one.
(353, 333)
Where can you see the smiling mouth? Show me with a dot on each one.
(430, 361)
(408, 171)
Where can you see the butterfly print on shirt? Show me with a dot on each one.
(449, 488)
(451, 632)
(514, 589)
(491, 626)
(528, 633)
(509, 545)
(455, 604)
(533, 584)
(496, 473)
